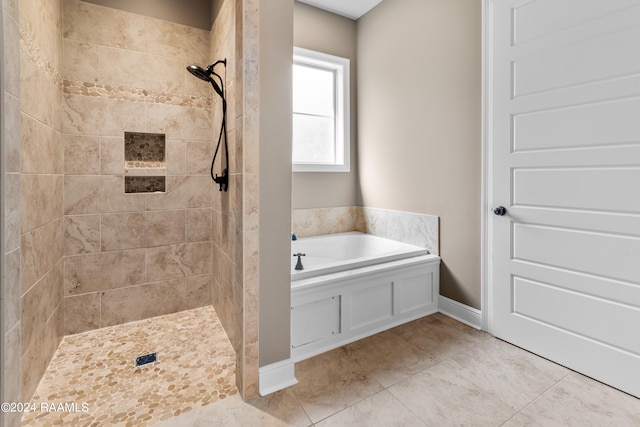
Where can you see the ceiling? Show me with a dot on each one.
(201, 13)
(353, 9)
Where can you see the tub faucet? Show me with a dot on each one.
(294, 237)
(299, 263)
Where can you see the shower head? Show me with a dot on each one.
(205, 75)
(200, 72)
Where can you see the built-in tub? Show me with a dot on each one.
(354, 285)
(346, 251)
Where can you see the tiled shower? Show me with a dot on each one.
(80, 252)
(160, 241)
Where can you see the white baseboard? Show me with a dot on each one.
(461, 312)
(276, 376)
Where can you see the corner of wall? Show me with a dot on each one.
(461, 312)
(275, 44)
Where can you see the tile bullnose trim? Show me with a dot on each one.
(277, 376)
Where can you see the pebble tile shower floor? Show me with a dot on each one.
(195, 368)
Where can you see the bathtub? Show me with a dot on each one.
(354, 285)
(346, 251)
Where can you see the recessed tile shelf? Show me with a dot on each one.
(144, 162)
(144, 150)
(144, 184)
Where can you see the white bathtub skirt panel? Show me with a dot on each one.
(332, 310)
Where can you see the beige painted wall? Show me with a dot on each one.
(276, 44)
(326, 32)
(419, 124)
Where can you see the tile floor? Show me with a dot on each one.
(431, 372)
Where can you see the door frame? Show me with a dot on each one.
(486, 193)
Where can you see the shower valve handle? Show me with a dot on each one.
(222, 180)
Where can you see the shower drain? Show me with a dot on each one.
(146, 359)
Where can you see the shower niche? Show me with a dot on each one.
(144, 162)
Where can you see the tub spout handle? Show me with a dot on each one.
(299, 265)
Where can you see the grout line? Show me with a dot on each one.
(301, 405)
(408, 409)
(100, 324)
(537, 397)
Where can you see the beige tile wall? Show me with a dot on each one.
(81, 262)
(408, 227)
(41, 169)
(320, 221)
(228, 295)
(247, 62)
(12, 289)
(235, 213)
(41, 196)
(133, 256)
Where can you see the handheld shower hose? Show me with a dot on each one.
(206, 74)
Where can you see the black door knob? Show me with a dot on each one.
(500, 210)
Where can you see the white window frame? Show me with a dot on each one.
(341, 67)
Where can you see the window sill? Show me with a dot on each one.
(320, 168)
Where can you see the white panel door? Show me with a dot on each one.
(564, 138)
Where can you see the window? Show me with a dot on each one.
(320, 112)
